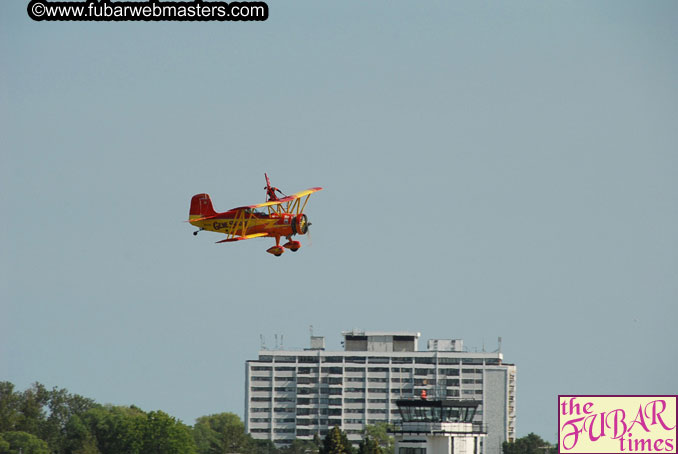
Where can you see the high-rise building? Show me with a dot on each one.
(299, 393)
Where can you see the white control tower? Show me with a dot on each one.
(438, 426)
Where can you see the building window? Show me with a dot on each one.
(308, 359)
(285, 359)
(378, 369)
(405, 390)
(378, 360)
(305, 422)
(472, 361)
(260, 419)
(355, 359)
(285, 368)
(401, 360)
(283, 410)
(403, 450)
(424, 360)
(448, 360)
(454, 372)
(261, 367)
(333, 359)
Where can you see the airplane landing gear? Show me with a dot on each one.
(197, 231)
(292, 245)
(276, 250)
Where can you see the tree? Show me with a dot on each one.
(9, 407)
(62, 407)
(299, 446)
(369, 446)
(40, 412)
(22, 442)
(379, 433)
(530, 444)
(32, 403)
(78, 437)
(115, 429)
(336, 442)
(163, 434)
(264, 447)
(221, 433)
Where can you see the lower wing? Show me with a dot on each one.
(246, 237)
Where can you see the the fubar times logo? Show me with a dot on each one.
(617, 424)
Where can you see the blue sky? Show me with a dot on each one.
(490, 169)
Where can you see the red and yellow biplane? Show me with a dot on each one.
(283, 217)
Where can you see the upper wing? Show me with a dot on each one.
(289, 198)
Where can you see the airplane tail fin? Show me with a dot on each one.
(201, 206)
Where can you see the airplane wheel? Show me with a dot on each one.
(294, 250)
(195, 233)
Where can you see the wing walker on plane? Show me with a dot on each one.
(283, 218)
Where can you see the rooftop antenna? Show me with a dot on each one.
(262, 342)
(310, 329)
(281, 343)
(276, 341)
(499, 341)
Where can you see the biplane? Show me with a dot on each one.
(277, 218)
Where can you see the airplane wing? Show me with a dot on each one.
(286, 199)
(238, 238)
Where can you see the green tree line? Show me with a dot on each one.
(43, 421)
